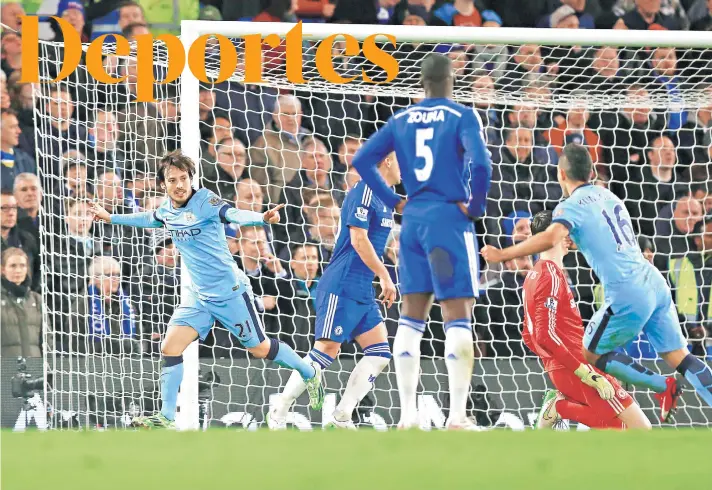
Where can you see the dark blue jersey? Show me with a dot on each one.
(441, 152)
(347, 275)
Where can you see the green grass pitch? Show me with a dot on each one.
(230, 459)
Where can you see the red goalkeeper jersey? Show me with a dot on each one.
(553, 329)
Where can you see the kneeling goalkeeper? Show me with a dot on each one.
(553, 330)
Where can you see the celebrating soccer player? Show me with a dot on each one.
(554, 331)
(446, 171)
(219, 290)
(637, 297)
(346, 308)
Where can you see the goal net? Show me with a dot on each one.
(641, 103)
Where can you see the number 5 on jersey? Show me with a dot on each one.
(422, 150)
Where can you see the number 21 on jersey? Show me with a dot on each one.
(422, 150)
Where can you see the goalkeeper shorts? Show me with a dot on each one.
(236, 314)
(342, 319)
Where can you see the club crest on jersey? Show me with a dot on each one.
(214, 200)
(361, 213)
(622, 393)
(189, 217)
(558, 212)
(338, 330)
(551, 303)
(426, 117)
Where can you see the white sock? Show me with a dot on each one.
(460, 361)
(406, 359)
(292, 390)
(360, 383)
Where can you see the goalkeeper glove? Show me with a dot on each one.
(591, 378)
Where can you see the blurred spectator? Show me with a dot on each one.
(490, 58)
(141, 136)
(253, 255)
(11, 15)
(21, 313)
(627, 133)
(691, 280)
(360, 12)
(10, 52)
(73, 12)
(222, 176)
(314, 177)
(60, 130)
(653, 186)
(104, 134)
(13, 160)
(157, 292)
(501, 310)
(28, 193)
(323, 216)
(249, 196)
(696, 133)
(103, 318)
(516, 227)
(584, 19)
(76, 184)
(14, 236)
(703, 20)
(604, 75)
(386, 9)
(297, 292)
(519, 181)
(647, 15)
(459, 13)
(346, 151)
(574, 128)
(314, 10)
(666, 82)
(483, 88)
(130, 13)
(275, 157)
(673, 228)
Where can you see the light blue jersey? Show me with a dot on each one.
(220, 290)
(637, 297)
(601, 228)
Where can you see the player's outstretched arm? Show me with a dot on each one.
(251, 218)
(534, 245)
(364, 249)
(146, 219)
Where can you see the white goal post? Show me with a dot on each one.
(523, 104)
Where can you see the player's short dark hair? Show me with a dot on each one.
(436, 68)
(177, 160)
(645, 243)
(579, 164)
(698, 229)
(541, 221)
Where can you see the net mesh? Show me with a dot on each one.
(645, 115)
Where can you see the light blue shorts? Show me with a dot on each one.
(644, 304)
(236, 314)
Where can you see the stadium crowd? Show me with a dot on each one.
(110, 289)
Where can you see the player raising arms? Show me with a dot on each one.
(637, 297)
(346, 308)
(219, 290)
(553, 330)
(446, 171)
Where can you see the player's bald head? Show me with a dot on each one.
(436, 75)
(576, 162)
